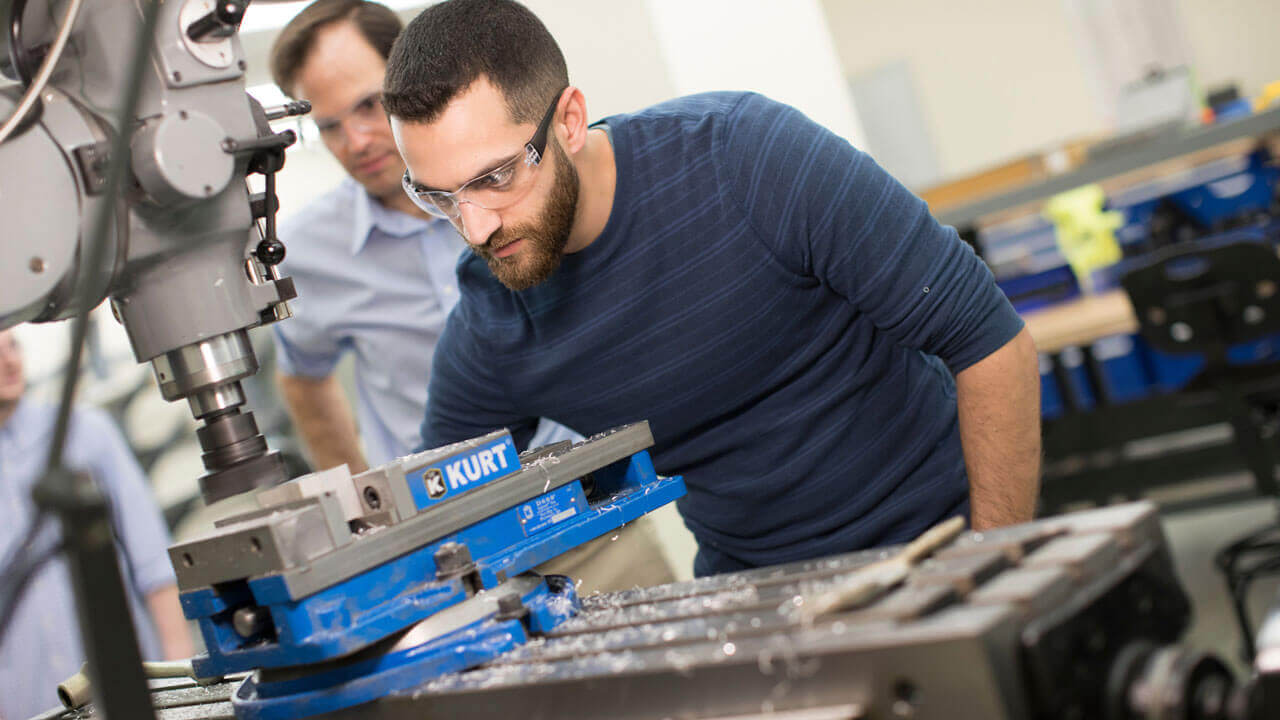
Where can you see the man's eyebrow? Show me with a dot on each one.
(364, 99)
(490, 168)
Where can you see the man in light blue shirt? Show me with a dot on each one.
(375, 276)
(376, 282)
(42, 645)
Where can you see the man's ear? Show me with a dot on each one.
(571, 121)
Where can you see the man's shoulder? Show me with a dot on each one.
(701, 123)
(697, 106)
(698, 109)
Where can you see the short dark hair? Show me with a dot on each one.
(377, 23)
(452, 44)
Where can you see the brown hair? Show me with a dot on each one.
(451, 44)
(377, 23)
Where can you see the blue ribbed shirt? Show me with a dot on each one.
(785, 315)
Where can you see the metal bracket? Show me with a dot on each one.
(92, 161)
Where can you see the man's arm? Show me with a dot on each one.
(463, 399)
(166, 612)
(322, 415)
(999, 404)
(872, 241)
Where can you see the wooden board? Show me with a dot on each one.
(1081, 321)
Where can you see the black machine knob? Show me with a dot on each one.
(219, 23)
(270, 251)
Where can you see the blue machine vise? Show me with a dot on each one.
(338, 588)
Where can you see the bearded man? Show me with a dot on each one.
(828, 367)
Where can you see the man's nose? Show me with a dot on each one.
(477, 222)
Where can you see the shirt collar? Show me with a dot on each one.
(371, 215)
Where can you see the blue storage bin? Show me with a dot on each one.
(1051, 405)
(1079, 386)
(1171, 373)
(1123, 369)
(1042, 289)
(1212, 193)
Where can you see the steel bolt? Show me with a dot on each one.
(248, 621)
(452, 559)
(510, 606)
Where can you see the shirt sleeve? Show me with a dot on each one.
(138, 521)
(828, 211)
(306, 344)
(304, 349)
(463, 401)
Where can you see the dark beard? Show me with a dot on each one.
(545, 237)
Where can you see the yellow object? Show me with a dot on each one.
(1085, 232)
(1268, 97)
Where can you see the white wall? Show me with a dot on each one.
(996, 78)
(1002, 78)
(783, 50)
(1234, 41)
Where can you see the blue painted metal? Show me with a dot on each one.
(363, 609)
(367, 679)
(460, 473)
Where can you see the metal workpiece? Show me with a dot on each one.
(260, 543)
(335, 483)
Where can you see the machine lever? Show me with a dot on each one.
(220, 23)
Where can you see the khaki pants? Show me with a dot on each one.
(620, 560)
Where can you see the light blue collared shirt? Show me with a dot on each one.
(42, 647)
(379, 283)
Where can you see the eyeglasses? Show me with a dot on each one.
(365, 114)
(496, 189)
